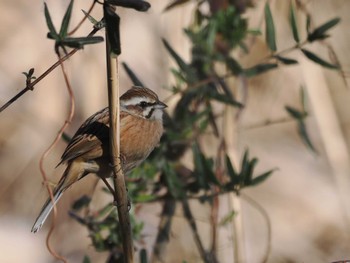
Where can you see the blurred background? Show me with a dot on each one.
(306, 199)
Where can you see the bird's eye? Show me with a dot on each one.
(143, 104)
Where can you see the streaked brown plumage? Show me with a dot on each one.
(88, 152)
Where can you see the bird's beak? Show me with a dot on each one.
(161, 105)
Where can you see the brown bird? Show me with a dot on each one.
(141, 126)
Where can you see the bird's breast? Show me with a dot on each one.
(138, 138)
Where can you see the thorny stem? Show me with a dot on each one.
(43, 75)
(45, 154)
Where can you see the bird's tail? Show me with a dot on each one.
(45, 211)
(47, 207)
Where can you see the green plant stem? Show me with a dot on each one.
(120, 194)
(296, 46)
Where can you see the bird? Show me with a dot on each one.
(141, 127)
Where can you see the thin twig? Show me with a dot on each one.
(189, 217)
(84, 18)
(120, 193)
(45, 154)
(43, 75)
(164, 228)
(268, 224)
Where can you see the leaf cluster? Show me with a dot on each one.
(62, 38)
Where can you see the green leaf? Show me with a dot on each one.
(244, 166)
(303, 98)
(286, 61)
(91, 19)
(227, 218)
(143, 256)
(175, 4)
(86, 259)
(80, 42)
(135, 80)
(225, 99)
(173, 181)
(270, 29)
(261, 178)
(319, 32)
(231, 171)
(318, 60)
(296, 114)
(142, 198)
(81, 202)
(233, 65)
(293, 23)
(308, 24)
(181, 63)
(259, 69)
(305, 136)
(52, 30)
(66, 20)
(247, 177)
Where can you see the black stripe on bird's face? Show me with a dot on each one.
(149, 115)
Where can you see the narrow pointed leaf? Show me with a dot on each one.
(231, 171)
(270, 29)
(259, 69)
(293, 24)
(86, 259)
(308, 24)
(227, 218)
(180, 62)
(286, 61)
(233, 66)
(247, 177)
(91, 19)
(319, 32)
(135, 80)
(261, 178)
(244, 166)
(143, 256)
(225, 99)
(138, 5)
(303, 98)
(175, 4)
(296, 114)
(52, 30)
(81, 202)
(66, 20)
(81, 41)
(318, 60)
(305, 136)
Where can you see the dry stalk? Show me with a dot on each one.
(120, 194)
(45, 154)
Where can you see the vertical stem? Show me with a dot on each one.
(120, 197)
(230, 133)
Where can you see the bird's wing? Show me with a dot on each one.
(87, 141)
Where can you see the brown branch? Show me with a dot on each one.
(164, 227)
(190, 219)
(45, 154)
(120, 194)
(43, 75)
